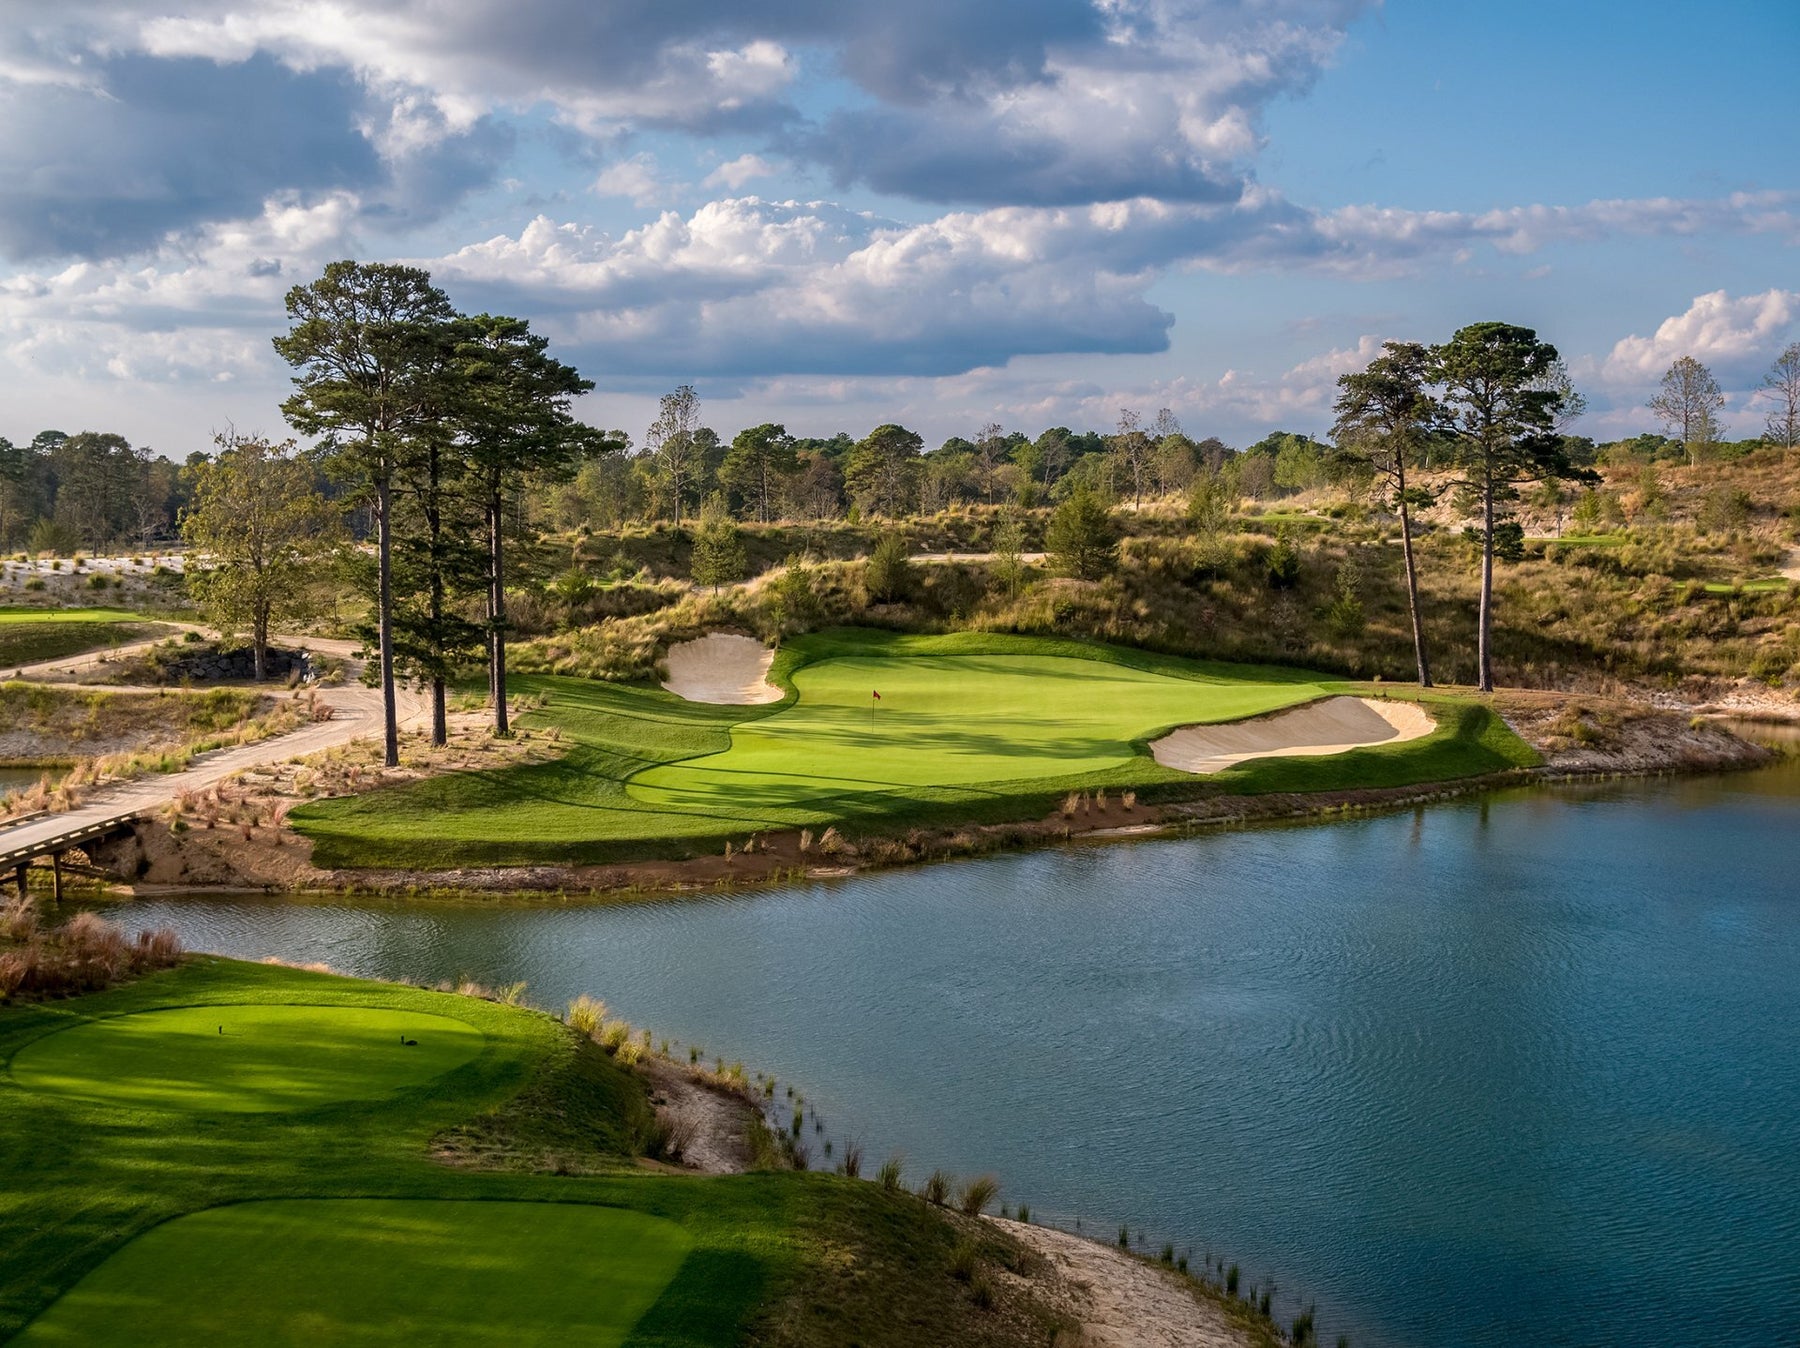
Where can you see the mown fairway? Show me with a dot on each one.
(970, 728)
(366, 1272)
(28, 635)
(246, 1059)
(11, 617)
(499, 1201)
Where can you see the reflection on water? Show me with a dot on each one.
(19, 779)
(1519, 1070)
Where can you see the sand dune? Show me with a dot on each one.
(1329, 726)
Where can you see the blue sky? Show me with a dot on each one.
(833, 214)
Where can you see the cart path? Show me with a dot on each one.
(355, 714)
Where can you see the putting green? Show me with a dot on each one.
(246, 1059)
(373, 1271)
(948, 720)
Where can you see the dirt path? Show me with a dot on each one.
(1123, 1302)
(1792, 569)
(355, 713)
(80, 664)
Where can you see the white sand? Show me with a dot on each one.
(723, 669)
(1329, 726)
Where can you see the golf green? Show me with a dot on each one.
(375, 1271)
(246, 1059)
(948, 720)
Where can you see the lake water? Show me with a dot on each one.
(18, 779)
(1517, 1070)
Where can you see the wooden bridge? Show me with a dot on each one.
(34, 837)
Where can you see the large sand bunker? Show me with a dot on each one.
(723, 669)
(1329, 726)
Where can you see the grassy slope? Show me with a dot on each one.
(579, 807)
(26, 643)
(799, 1259)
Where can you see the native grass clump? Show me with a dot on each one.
(84, 954)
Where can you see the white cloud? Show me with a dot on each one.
(733, 174)
(1740, 336)
(635, 178)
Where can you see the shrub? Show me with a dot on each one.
(853, 1159)
(586, 1014)
(889, 574)
(964, 1260)
(981, 1291)
(977, 1194)
(1083, 540)
(888, 1177)
(1025, 1213)
(936, 1190)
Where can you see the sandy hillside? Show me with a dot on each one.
(1329, 726)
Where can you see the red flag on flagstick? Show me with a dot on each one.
(877, 696)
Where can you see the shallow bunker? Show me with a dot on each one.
(723, 669)
(1331, 725)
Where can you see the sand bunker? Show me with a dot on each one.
(1329, 726)
(727, 670)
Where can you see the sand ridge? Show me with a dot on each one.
(722, 669)
(1329, 726)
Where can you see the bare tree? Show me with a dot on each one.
(1782, 385)
(1132, 450)
(670, 442)
(1688, 402)
(990, 453)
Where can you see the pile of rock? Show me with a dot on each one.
(208, 664)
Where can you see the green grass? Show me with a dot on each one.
(970, 728)
(364, 1272)
(1766, 585)
(26, 643)
(20, 616)
(246, 1059)
(500, 1197)
(947, 720)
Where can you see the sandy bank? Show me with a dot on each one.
(1329, 726)
(722, 669)
(1119, 1301)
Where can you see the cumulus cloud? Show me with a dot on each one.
(747, 287)
(1737, 336)
(733, 174)
(205, 112)
(635, 178)
(202, 312)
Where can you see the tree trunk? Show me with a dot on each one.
(1484, 652)
(434, 524)
(1412, 581)
(259, 645)
(384, 607)
(496, 612)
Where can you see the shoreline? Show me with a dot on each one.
(1643, 743)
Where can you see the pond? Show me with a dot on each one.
(1520, 1069)
(19, 779)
